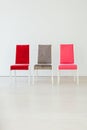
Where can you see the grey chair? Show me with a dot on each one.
(44, 59)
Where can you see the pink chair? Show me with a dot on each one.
(67, 59)
(22, 59)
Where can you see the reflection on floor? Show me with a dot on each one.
(43, 106)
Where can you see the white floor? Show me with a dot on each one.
(42, 106)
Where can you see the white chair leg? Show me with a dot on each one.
(36, 74)
(10, 77)
(74, 78)
(15, 74)
(33, 76)
(29, 75)
(52, 77)
(77, 78)
(75, 75)
(58, 77)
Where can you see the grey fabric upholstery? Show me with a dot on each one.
(44, 58)
(44, 54)
(43, 67)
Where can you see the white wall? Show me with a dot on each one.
(42, 21)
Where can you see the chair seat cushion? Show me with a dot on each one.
(19, 67)
(43, 67)
(67, 67)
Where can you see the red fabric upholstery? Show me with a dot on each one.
(67, 67)
(22, 58)
(19, 67)
(22, 54)
(66, 54)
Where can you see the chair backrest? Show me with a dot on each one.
(22, 54)
(44, 54)
(66, 54)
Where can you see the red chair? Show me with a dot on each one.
(67, 59)
(22, 60)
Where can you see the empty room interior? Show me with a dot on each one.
(43, 65)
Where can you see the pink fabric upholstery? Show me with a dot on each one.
(67, 67)
(66, 54)
(67, 57)
(22, 58)
(67, 60)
